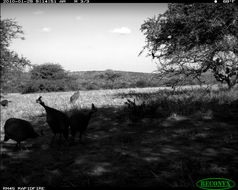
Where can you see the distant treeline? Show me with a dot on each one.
(91, 80)
(94, 80)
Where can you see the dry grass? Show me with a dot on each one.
(180, 137)
(24, 105)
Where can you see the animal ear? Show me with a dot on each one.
(93, 107)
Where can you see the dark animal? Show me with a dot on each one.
(18, 130)
(74, 97)
(4, 102)
(79, 122)
(57, 120)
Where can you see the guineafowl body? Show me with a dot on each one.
(79, 122)
(18, 130)
(57, 120)
(74, 97)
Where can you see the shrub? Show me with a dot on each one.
(44, 85)
(141, 83)
(49, 77)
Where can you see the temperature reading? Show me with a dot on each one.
(228, 1)
(84, 1)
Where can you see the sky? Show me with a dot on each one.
(84, 37)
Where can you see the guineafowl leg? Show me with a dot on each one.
(81, 137)
(53, 138)
(73, 136)
(66, 136)
(18, 146)
(60, 138)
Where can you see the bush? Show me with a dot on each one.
(91, 86)
(44, 85)
(142, 83)
(49, 77)
(121, 85)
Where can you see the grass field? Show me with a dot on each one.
(176, 139)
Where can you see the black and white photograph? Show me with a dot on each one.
(130, 95)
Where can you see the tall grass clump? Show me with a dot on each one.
(183, 102)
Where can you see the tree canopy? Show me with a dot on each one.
(190, 39)
(49, 77)
(9, 59)
(11, 64)
(49, 71)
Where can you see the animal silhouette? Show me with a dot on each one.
(18, 130)
(4, 103)
(57, 121)
(79, 122)
(74, 97)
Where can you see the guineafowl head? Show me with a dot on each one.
(38, 100)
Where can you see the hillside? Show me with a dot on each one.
(109, 79)
(87, 80)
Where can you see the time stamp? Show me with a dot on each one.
(44, 1)
(81, 1)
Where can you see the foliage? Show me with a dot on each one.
(10, 61)
(141, 83)
(109, 78)
(110, 75)
(49, 71)
(182, 102)
(122, 79)
(190, 39)
(89, 80)
(49, 77)
(15, 81)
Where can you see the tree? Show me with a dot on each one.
(190, 39)
(110, 77)
(49, 77)
(10, 61)
(49, 71)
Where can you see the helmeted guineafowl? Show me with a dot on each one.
(57, 120)
(18, 130)
(79, 122)
(74, 97)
